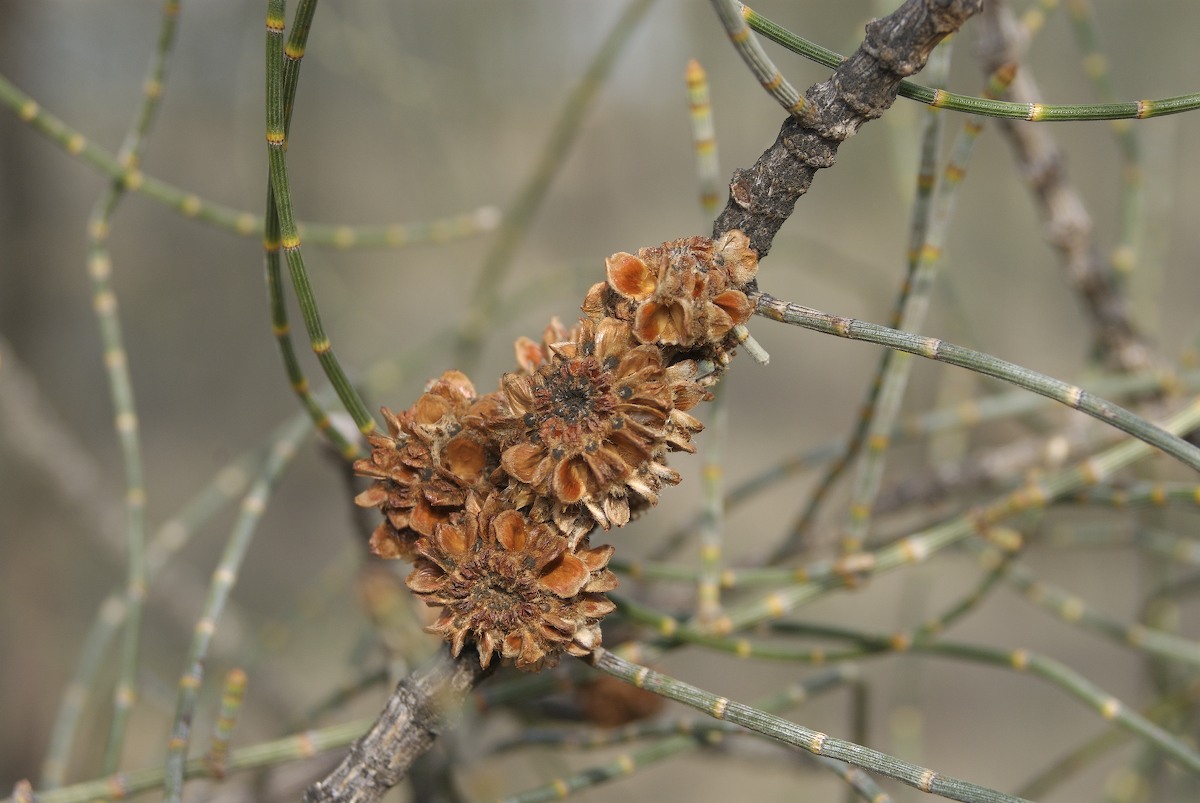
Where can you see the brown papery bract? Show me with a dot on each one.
(591, 425)
(494, 496)
(425, 464)
(512, 586)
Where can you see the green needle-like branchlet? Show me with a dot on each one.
(289, 240)
(116, 363)
(931, 131)
(266, 754)
(757, 60)
(677, 737)
(918, 291)
(253, 506)
(916, 548)
(272, 241)
(1126, 253)
(790, 733)
(237, 221)
(940, 98)
(941, 351)
(168, 539)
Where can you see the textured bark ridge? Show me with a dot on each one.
(423, 705)
(762, 197)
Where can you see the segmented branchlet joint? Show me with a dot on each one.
(494, 497)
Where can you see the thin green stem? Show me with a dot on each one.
(935, 349)
(911, 318)
(481, 310)
(1124, 257)
(936, 69)
(790, 733)
(996, 559)
(1076, 611)
(236, 221)
(1166, 545)
(116, 364)
(966, 414)
(1105, 704)
(289, 236)
(678, 737)
(267, 754)
(272, 238)
(757, 60)
(232, 697)
(708, 172)
(704, 139)
(623, 765)
(168, 539)
(1109, 707)
(1144, 494)
(253, 506)
(919, 546)
(939, 98)
(708, 586)
(1021, 660)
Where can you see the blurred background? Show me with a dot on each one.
(409, 112)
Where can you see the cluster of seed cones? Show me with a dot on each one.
(493, 497)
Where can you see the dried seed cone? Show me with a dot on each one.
(514, 587)
(531, 355)
(591, 426)
(431, 456)
(686, 293)
(492, 497)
